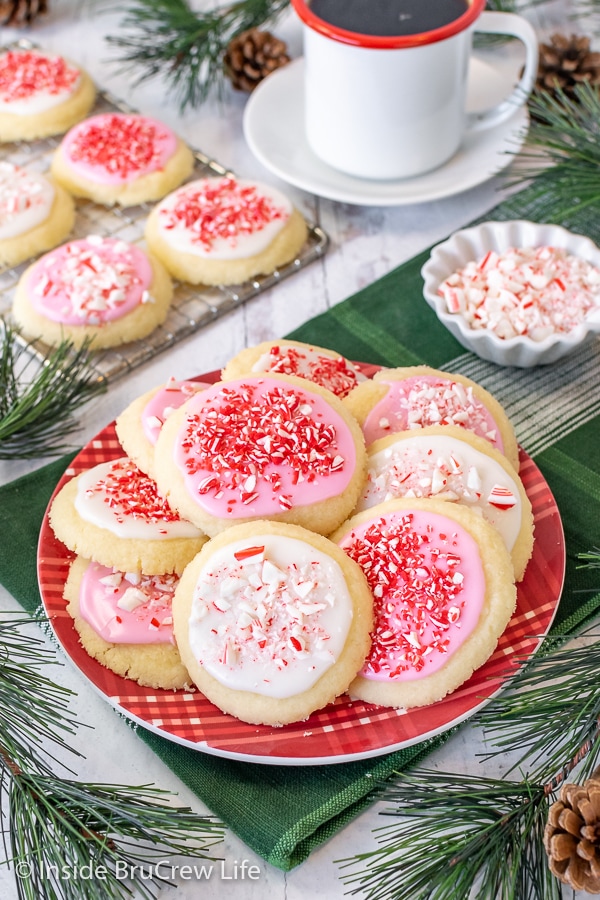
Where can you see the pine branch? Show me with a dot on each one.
(458, 834)
(185, 47)
(52, 827)
(37, 401)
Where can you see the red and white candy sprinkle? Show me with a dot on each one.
(24, 74)
(531, 291)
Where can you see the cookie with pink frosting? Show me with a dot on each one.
(121, 158)
(124, 621)
(140, 423)
(417, 396)
(317, 364)
(453, 464)
(442, 581)
(272, 621)
(114, 514)
(262, 447)
(224, 230)
(98, 289)
(35, 214)
(41, 94)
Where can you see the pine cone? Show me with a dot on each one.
(566, 62)
(572, 835)
(251, 56)
(18, 13)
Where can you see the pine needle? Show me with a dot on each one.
(38, 400)
(168, 39)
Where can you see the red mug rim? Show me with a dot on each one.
(378, 42)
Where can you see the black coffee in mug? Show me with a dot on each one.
(389, 18)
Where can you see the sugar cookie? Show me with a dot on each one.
(138, 426)
(41, 95)
(35, 214)
(272, 447)
(98, 289)
(121, 158)
(413, 397)
(125, 622)
(443, 585)
(453, 464)
(324, 367)
(114, 515)
(224, 231)
(272, 621)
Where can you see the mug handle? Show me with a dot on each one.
(508, 23)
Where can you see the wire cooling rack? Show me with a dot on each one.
(193, 305)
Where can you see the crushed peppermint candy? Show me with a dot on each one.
(213, 209)
(130, 493)
(24, 74)
(248, 432)
(529, 291)
(334, 373)
(90, 281)
(417, 578)
(126, 145)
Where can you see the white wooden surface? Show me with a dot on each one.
(366, 242)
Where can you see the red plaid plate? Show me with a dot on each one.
(344, 730)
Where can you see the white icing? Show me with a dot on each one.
(26, 199)
(39, 102)
(448, 469)
(239, 245)
(90, 503)
(291, 598)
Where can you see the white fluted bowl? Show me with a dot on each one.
(472, 244)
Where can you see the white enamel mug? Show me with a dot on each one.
(394, 107)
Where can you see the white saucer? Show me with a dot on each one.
(274, 131)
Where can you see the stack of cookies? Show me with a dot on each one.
(360, 535)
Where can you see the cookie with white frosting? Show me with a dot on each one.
(113, 514)
(317, 364)
(98, 289)
(35, 214)
(272, 621)
(139, 425)
(121, 158)
(453, 464)
(262, 447)
(442, 581)
(224, 231)
(124, 621)
(417, 396)
(41, 94)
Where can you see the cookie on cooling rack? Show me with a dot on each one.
(41, 94)
(262, 447)
(453, 464)
(444, 591)
(35, 214)
(121, 158)
(114, 515)
(97, 289)
(224, 231)
(140, 423)
(317, 364)
(125, 622)
(272, 621)
(417, 396)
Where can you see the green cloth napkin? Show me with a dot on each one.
(285, 812)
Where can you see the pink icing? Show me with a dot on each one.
(258, 446)
(90, 281)
(125, 608)
(159, 407)
(115, 148)
(428, 583)
(429, 400)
